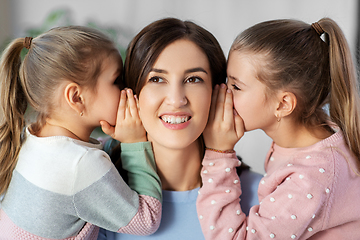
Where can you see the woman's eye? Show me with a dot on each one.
(194, 80)
(235, 87)
(156, 79)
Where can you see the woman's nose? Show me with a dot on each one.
(176, 96)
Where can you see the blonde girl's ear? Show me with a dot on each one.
(286, 103)
(73, 97)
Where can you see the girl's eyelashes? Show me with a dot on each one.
(235, 87)
(118, 81)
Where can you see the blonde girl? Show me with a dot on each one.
(282, 75)
(58, 183)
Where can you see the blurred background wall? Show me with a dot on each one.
(225, 19)
(5, 30)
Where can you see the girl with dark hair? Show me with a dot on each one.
(282, 75)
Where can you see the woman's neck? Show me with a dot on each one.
(179, 169)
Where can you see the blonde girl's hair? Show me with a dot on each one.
(318, 71)
(72, 53)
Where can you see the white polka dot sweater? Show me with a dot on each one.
(306, 193)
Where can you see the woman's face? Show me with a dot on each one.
(175, 100)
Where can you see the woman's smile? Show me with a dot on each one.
(174, 102)
(176, 121)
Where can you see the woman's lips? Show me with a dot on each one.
(175, 122)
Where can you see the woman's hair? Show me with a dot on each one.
(292, 56)
(66, 53)
(147, 45)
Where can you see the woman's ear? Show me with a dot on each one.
(74, 98)
(286, 104)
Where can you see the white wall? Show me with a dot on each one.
(225, 19)
(5, 29)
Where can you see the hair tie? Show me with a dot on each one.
(316, 26)
(27, 42)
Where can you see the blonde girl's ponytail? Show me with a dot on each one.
(12, 107)
(344, 95)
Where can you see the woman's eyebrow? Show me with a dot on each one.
(158, 70)
(198, 69)
(191, 70)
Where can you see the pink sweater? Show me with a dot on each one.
(307, 193)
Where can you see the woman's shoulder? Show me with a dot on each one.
(179, 218)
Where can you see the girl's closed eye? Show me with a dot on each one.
(235, 87)
(119, 82)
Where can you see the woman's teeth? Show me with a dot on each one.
(174, 119)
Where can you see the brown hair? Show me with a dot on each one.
(73, 53)
(317, 71)
(147, 45)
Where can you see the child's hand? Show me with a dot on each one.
(225, 127)
(128, 128)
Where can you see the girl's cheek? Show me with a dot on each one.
(240, 108)
(236, 103)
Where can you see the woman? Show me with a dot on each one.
(172, 66)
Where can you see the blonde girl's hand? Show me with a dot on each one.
(128, 128)
(225, 127)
